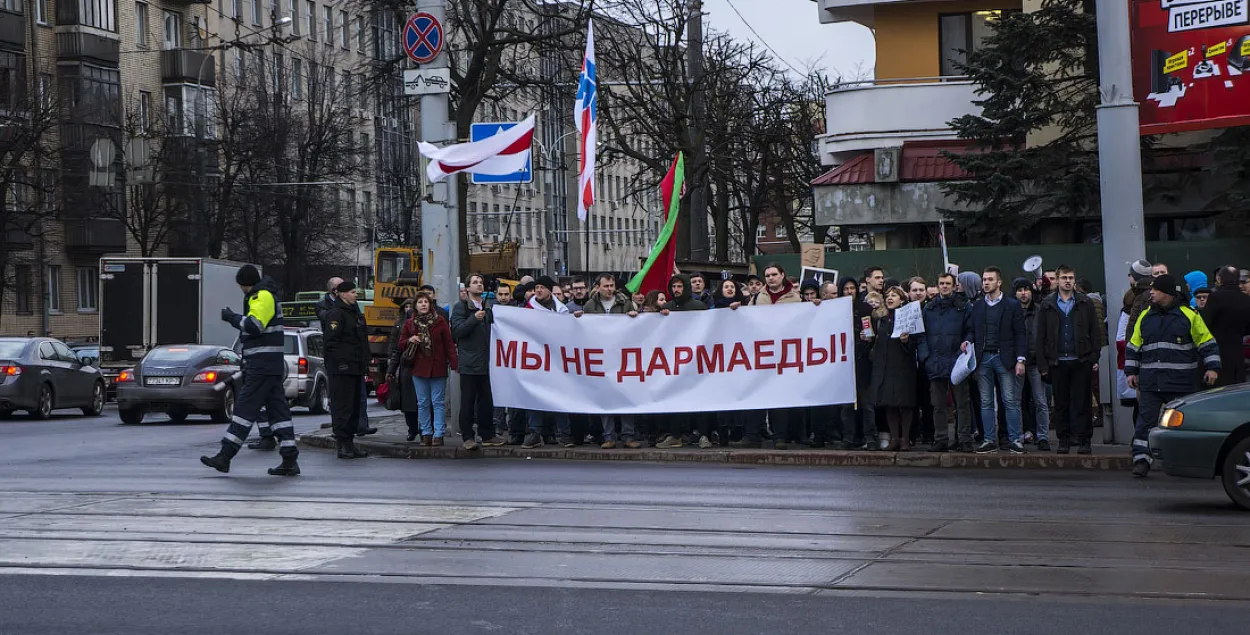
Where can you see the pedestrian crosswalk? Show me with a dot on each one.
(213, 536)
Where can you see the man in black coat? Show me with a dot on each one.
(1227, 315)
(1069, 342)
(1002, 348)
(947, 330)
(471, 321)
(347, 359)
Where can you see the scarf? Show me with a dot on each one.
(787, 288)
(721, 302)
(423, 323)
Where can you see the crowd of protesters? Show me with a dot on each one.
(1036, 342)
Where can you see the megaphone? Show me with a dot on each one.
(1034, 266)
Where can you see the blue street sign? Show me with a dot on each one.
(479, 131)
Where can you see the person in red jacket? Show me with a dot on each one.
(429, 335)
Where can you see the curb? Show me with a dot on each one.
(812, 458)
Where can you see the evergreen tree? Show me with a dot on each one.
(1034, 145)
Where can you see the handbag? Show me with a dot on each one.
(394, 394)
(410, 353)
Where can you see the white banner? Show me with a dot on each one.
(782, 356)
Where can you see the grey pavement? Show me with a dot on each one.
(125, 522)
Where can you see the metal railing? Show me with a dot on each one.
(897, 81)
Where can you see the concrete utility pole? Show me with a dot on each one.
(698, 234)
(440, 244)
(1119, 169)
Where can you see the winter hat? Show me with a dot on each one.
(345, 286)
(247, 276)
(809, 284)
(1140, 270)
(1201, 290)
(545, 281)
(1021, 283)
(1167, 284)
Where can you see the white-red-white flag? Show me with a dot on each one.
(505, 153)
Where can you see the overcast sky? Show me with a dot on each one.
(793, 29)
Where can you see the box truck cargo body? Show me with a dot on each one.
(150, 302)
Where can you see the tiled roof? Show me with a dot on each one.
(857, 170)
(921, 161)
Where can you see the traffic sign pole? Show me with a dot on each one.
(440, 242)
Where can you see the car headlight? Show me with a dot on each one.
(1171, 419)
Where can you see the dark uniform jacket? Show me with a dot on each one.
(1228, 316)
(1167, 347)
(261, 330)
(472, 337)
(346, 340)
(1086, 327)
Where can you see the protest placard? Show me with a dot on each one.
(908, 319)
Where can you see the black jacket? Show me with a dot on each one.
(683, 301)
(893, 367)
(1031, 313)
(1228, 317)
(346, 340)
(947, 325)
(472, 337)
(1011, 342)
(323, 309)
(1085, 325)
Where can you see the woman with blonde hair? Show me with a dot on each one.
(893, 386)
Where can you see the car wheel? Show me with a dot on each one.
(320, 402)
(131, 416)
(226, 412)
(97, 401)
(1236, 474)
(177, 415)
(43, 409)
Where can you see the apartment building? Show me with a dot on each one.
(86, 81)
(886, 154)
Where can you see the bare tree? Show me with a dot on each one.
(30, 114)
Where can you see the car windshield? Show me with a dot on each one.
(11, 350)
(172, 354)
(291, 345)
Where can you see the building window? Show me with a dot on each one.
(366, 149)
(173, 31)
(297, 78)
(960, 34)
(345, 26)
(101, 14)
(310, 20)
(328, 15)
(47, 190)
(145, 111)
(12, 80)
(279, 80)
(54, 288)
(313, 70)
(21, 288)
(257, 11)
(88, 285)
(295, 23)
(46, 97)
(41, 11)
(142, 26)
(761, 231)
(236, 8)
(360, 33)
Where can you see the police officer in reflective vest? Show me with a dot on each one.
(260, 332)
(1168, 345)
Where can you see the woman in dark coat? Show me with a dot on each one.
(403, 376)
(893, 387)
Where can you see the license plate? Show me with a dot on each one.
(164, 381)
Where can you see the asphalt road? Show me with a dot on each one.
(107, 528)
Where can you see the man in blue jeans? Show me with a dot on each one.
(998, 324)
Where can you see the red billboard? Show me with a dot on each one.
(1191, 64)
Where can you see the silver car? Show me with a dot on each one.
(41, 374)
(307, 384)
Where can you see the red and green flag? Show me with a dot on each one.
(659, 266)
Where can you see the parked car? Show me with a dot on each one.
(1207, 435)
(180, 381)
(306, 383)
(41, 374)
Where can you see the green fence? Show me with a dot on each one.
(1181, 258)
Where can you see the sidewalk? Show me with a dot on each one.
(391, 441)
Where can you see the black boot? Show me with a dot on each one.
(346, 450)
(266, 444)
(220, 462)
(358, 451)
(367, 431)
(289, 467)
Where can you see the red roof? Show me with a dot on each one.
(922, 161)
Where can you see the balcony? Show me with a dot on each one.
(94, 236)
(182, 66)
(861, 11)
(875, 114)
(12, 31)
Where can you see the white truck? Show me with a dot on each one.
(149, 302)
